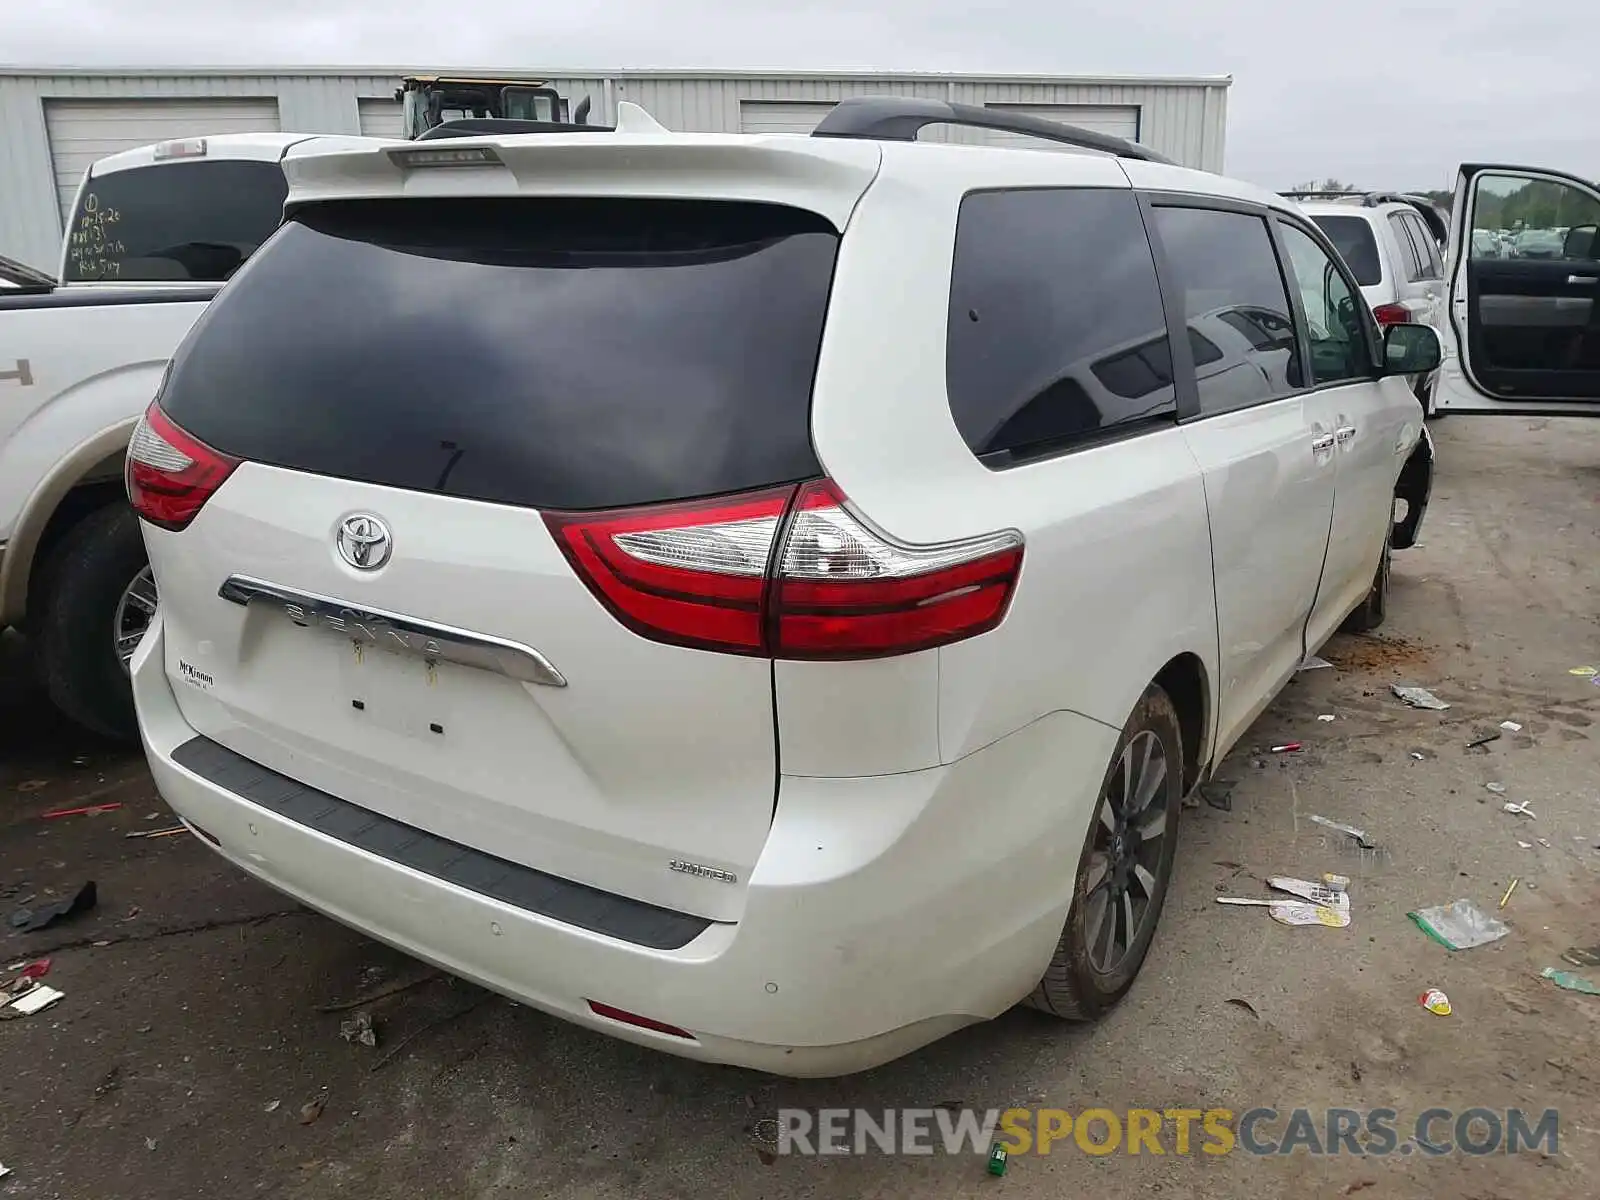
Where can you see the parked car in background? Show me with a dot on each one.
(1396, 256)
(152, 235)
(765, 597)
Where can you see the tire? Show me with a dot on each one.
(74, 610)
(1375, 608)
(1086, 977)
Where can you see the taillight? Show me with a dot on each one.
(709, 574)
(1392, 314)
(170, 474)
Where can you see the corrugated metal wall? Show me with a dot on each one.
(1185, 119)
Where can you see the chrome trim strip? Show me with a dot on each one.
(394, 631)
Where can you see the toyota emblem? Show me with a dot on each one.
(364, 542)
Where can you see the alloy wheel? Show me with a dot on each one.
(135, 610)
(1130, 833)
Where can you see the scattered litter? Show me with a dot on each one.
(1435, 1001)
(1360, 1185)
(1325, 903)
(1418, 755)
(1419, 697)
(1525, 845)
(88, 810)
(359, 1029)
(1244, 1004)
(1219, 794)
(35, 970)
(4, 1170)
(273, 1106)
(1287, 748)
(1360, 835)
(1511, 725)
(1313, 663)
(997, 1159)
(150, 833)
(1582, 956)
(1483, 739)
(32, 785)
(1506, 899)
(150, 1144)
(1460, 925)
(1573, 983)
(312, 1109)
(1520, 808)
(1586, 672)
(37, 998)
(1499, 789)
(31, 920)
(1545, 842)
(1328, 717)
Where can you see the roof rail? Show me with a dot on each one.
(1324, 194)
(900, 118)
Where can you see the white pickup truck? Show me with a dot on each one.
(154, 234)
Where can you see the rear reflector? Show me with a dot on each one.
(169, 474)
(628, 1018)
(1392, 314)
(709, 575)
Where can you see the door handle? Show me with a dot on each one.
(1346, 433)
(1577, 279)
(1325, 442)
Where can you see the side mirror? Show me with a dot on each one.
(1411, 350)
(1579, 242)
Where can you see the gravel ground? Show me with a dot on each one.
(193, 1032)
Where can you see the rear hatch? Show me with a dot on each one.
(392, 597)
(172, 220)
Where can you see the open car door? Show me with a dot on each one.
(1524, 304)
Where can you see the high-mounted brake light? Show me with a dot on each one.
(170, 474)
(1392, 314)
(180, 148)
(711, 575)
(465, 156)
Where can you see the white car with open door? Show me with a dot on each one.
(1524, 335)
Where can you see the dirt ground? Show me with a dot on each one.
(193, 1032)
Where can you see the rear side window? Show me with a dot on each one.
(1234, 297)
(179, 221)
(1056, 331)
(1410, 257)
(1352, 237)
(553, 353)
(1427, 247)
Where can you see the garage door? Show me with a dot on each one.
(780, 116)
(381, 118)
(1117, 120)
(83, 131)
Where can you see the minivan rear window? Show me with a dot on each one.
(173, 222)
(546, 352)
(1352, 238)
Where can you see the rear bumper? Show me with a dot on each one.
(884, 912)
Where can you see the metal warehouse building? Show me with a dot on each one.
(54, 124)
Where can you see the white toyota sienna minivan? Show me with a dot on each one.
(764, 597)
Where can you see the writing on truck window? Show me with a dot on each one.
(93, 248)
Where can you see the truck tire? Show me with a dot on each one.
(1126, 866)
(73, 620)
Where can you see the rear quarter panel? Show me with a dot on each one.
(1116, 578)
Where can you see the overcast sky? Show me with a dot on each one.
(1381, 93)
